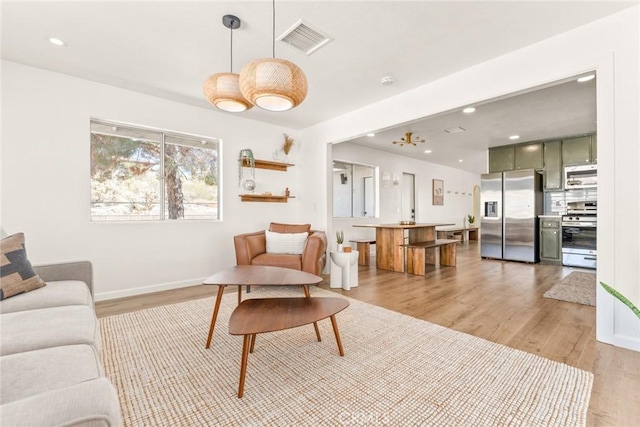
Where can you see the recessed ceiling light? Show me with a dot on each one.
(427, 151)
(514, 137)
(586, 78)
(56, 41)
(469, 110)
(460, 160)
(371, 134)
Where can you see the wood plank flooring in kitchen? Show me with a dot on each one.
(495, 300)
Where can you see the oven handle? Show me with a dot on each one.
(579, 224)
(591, 258)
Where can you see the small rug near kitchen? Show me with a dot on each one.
(397, 370)
(579, 287)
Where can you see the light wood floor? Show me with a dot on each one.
(495, 300)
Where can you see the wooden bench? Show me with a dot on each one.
(421, 253)
(446, 232)
(363, 246)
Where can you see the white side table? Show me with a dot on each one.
(344, 270)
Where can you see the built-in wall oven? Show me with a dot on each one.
(579, 239)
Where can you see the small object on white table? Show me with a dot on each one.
(344, 270)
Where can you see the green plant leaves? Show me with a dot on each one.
(621, 298)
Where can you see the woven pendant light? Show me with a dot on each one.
(222, 90)
(273, 84)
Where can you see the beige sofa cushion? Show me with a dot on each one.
(34, 372)
(55, 294)
(92, 403)
(49, 327)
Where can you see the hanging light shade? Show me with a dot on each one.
(273, 84)
(222, 90)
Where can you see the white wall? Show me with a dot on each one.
(456, 206)
(46, 189)
(45, 168)
(609, 46)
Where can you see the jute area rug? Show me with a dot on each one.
(397, 370)
(578, 287)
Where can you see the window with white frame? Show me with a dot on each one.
(140, 174)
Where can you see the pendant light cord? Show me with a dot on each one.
(231, 49)
(273, 15)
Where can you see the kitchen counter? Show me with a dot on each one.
(550, 216)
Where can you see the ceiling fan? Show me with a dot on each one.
(407, 139)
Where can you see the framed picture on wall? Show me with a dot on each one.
(438, 192)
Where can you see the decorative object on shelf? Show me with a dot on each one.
(438, 192)
(346, 249)
(222, 90)
(246, 156)
(249, 185)
(287, 192)
(339, 239)
(471, 219)
(408, 139)
(286, 146)
(273, 84)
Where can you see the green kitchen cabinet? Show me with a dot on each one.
(501, 159)
(529, 156)
(576, 151)
(551, 240)
(552, 177)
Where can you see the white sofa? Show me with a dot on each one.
(50, 370)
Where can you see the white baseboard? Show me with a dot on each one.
(616, 323)
(106, 296)
(626, 342)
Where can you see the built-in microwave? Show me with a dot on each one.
(582, 176)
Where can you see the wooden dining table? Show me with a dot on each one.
(391, 237)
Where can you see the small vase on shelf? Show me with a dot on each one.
(340, 247)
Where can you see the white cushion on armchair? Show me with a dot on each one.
(285, 243)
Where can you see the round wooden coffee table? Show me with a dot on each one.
(260, 315)
(257, 275)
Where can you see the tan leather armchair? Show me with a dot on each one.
(251, 249)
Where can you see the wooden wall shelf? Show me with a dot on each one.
(266, 164)
(264, 198)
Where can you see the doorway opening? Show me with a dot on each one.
(408, 206)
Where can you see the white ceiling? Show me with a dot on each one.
(169, 48)
(564, 109)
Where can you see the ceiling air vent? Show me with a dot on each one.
(303, 37)
(456, 129)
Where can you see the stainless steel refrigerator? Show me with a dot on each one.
(511, 203)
